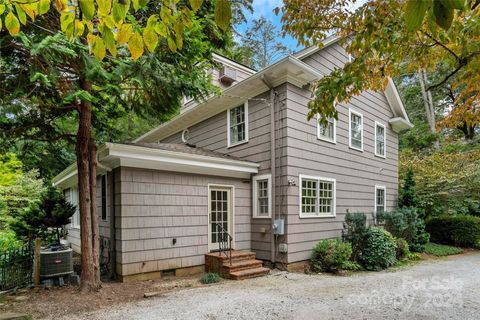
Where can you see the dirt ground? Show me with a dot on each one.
(281, 295)
(43, 303)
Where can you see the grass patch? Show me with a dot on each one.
(441, 250)
(210, 277)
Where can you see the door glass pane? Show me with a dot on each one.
(218, 214)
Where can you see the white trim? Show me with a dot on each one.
(384, 188)
(232, 63)
(323, 138)
(350, 112)
(334, 200)
(399, 124)
(74, 199)
(245, 110)
(384, 156)
(231, 226)
(288, 69)
(311, 50)
(255, 179)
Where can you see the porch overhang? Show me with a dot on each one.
(114, 155)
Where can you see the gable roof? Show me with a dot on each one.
(400, 120)
(289, 69)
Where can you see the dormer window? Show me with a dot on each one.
(237, 119)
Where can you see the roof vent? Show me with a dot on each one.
(227, 75)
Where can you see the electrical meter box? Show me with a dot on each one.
(279, 226)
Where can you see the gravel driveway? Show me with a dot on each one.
(437, 289)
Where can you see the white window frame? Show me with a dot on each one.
(350, 112)
(104, 191)
(323, 138)
(74, 199)
(229, 143)
(317, 213)
(267, 177)
(378, 124)
(384, 188)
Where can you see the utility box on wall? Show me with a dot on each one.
(279, 226)
(283, 248)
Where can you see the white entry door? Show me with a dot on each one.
(220, 215)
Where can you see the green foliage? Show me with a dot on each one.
(441, 250)
(459, 230)
(407, 196)
(8, 240)
(332, 255)
(354, 231)
(402, 252)
(10, 169)
(210, 277)
(406, 223)
(379, 251)
(53, 212)
(447, 181)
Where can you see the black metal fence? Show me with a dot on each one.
(16, 267)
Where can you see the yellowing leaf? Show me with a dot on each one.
(136, 4)
(2, 8)
(124, 33)
(223, 14)
(109, 22)
(61, 5)
(196, 4)
(179, 42)
(135, 45)
(151, 39)
(171, 44)
(120, 10)
(66, 19)
(0, 24)
(88, 8)
(30, 10)
(43, 6)
(79, 28)
(21, 14)
(161, 29)
(109, 40)
(414, 13)
(104, 7)
(12, 24)
(98, 48)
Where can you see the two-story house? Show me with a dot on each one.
(246, 162)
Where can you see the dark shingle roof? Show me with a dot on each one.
(183, 148)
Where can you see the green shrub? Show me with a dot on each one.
(379, 251)
(407, 223)
(402, 250)
(441, 250)
(354, 230)
(210, 277)
(460, 230)
(332, 255)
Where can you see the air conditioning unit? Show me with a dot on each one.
(227, 75)
(55, 262)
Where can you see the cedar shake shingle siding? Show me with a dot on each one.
(356, 172)
(159, 206)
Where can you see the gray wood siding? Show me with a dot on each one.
(356, 172)
(157, 206)
(212, 134)
(104, 225)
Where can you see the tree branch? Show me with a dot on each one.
(442, 45)
(458, 68)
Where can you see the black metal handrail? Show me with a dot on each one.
(224, 242)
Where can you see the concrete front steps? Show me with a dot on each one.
(244, 265)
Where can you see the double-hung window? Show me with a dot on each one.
(317, 197)
(75, 220)
(380, 199)
(326, 131)
(380, 140)
(104, 197)
(262, 202)
(237, 121)
(356, 130)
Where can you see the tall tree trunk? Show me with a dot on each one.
(93, 211)
(82, 150)
(427, 100)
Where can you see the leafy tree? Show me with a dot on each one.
(260, 41)
(387, 37)
(407, 196)
(56, 90)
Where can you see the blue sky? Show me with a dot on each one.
(265, 8)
